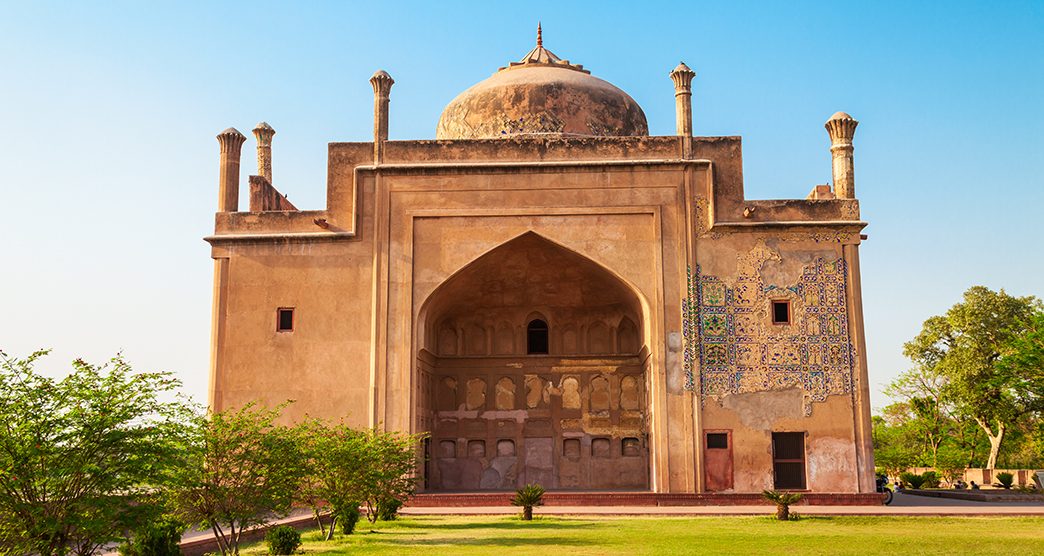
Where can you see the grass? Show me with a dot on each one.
(545, 536)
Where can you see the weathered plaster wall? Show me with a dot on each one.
(359, 273)
(755, 377)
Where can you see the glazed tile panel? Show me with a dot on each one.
(728, 330)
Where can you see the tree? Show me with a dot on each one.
(242, 468)
(81, 457)
(921, 388)
(892, 451)
(965, 347)
(389, 470)
(336, 457)
(1023, 363)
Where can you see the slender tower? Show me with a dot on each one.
(382, 84)
(231, 141)
(264, 133)
(682, 77)
(841, 128)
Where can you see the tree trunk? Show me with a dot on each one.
(330, 533)
(783, 512)
(319, 520)
(527, 513)
(995, 441)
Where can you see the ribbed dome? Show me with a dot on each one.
(541, 95)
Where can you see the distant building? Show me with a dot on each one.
(556, 297)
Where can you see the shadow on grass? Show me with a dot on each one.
(501, 541)
(504, 524)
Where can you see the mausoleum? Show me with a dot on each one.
(555, 296)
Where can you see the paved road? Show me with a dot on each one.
(906, 500)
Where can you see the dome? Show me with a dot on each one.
(541, 95)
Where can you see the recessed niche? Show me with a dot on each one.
(571, 448)
(505, 447)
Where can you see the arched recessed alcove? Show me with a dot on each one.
(544, 344)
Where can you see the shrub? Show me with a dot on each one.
(387, 510)
(931, 479)
(82, 458)
(242, 468)
(914, 480)
(160, 538)
(782, 500)
(282, 540)
(1005, 479)
(347, 518)
(527, 497)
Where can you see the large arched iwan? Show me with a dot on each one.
(504, 409)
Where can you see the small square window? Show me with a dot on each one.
(285, 319)
(781, 312)
(717, 440)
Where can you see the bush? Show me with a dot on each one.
(347, 518)
(913, 480)
(1005, 479)
(527, 497)
(82, 458)
(931, 479)
(282, 540)
(782, 500)
(388, 510)
(160, 538)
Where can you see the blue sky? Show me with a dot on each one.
(108, 111)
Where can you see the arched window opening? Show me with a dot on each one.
(536, 337)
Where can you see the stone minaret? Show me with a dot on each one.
(841, 128)
(682, 77)
(231, 141)
(264, 133)
(382, 84)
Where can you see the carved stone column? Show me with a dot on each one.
(841, 128)
(682, 77)
(382, 84)
(231, 141)
(264, 133)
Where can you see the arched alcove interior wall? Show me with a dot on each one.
(491, 387)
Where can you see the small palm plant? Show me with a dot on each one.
(527, 497)
(782, 500)
(1005, 479)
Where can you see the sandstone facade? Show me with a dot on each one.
(555, 297)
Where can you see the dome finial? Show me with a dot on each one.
(540, 36)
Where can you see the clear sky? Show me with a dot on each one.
(108, 112)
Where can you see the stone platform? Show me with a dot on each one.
(617, 498)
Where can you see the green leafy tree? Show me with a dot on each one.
(242, 469)
(81, 457)
(389, 471)
(927, 412)
(893, 451)
(336, 457)
(965, 347)
(1022, 363)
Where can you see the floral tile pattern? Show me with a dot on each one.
(732, 345)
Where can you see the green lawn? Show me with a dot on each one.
(550, 536)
